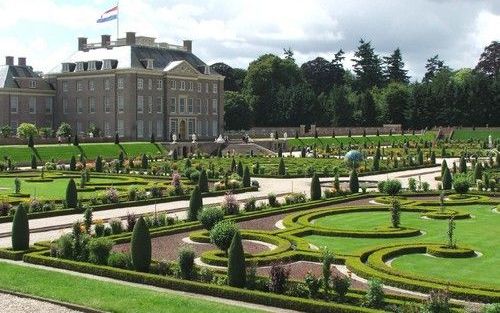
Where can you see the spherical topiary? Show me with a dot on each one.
(392, 187)
(195, 204)
(446, 179)
(203, 181)
(461, 184)
(315, 188)
(141, 246)
(20, 230)
(210, 216)
(222, 234)
(71, 194)
(246, 177)
(354, 182)
(236, 271)
(353, 158)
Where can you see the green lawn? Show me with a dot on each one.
(479, 233)
(101, 295)
(468, 133)
(384, 139)
(64, 152)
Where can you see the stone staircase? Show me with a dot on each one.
(239, 147)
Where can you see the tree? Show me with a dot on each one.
(446, 179)
(233, 77)
(76, 141)
(236, 270)
(64, 130)
(208, 217)
(25, 130)
(326, 268)
(238, 114)
(20, 230)
(6, 131)
(461, 183)
(72, 163)
(341, 109)
(246, 177)
(397, 99)
(98, 164)
(140, 246)
(394, 68)
(281, 168)
(203, 181)
(117, 139)
(489, 62)
(434, 66)
(33, 162)
(367, 67)
(222, 234)
(367, 106)
(315, 188)
(353, 181)
(71, 194)
(322, 74)
(31, 143)
(195, 204)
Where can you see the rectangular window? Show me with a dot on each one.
(65, 67)
(150, 104)
(206, 87)
(91, 85)
(106, 65)
(121, 128)
(190, 86)
(120, 104)
(65, 86)
(91, 105)
(107, 105)
(32, 105)
(79, 86)
(173, 105)
(79, 67)
(140, 104)
(205, 128)
(159, 105)
(149, 64)
(173, 85)
(92, 66)
(14, 125)
(214, 128)
(197, 106)
(173, 126)
(191, 126)
(214, 106)
(199, 87)
(150, 84)
(140, 129)
(182, 105)
(190, 105)
(79, 106)
(107, 84)
(121, 83)
(65, 106)
(214, 88)
(14, 104)
(183, 85)
(159, 128)
(107, 129)
(49, 103)
(140, 84)
(205, 107)
(159, 84)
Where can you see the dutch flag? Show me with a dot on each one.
(109, 15)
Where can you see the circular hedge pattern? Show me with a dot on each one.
(445, 252)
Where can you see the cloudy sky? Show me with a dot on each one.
(238, 31)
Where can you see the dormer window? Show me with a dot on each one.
(149, 64)
(106, 65)
(92, 66)
(207, 70)
(79, 67)
(32, 83)
(65, 67)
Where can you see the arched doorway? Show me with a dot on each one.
(182, 130)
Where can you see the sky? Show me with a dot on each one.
(236, 32)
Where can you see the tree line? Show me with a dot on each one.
(276, 91)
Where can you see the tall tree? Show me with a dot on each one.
(367, 67)
(397, 99)
(489, 61)
(394, 68)
(322, 74)
(341, 107)
(234, 77)
(237, 112)
(433, 66)
(367, 106)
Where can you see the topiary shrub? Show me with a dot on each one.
(203, 181)
(246, 177)
(20, 230)
(195, 204)
(315, 188)
(186, 263)
(99, 249)
(119, 260)
(281, 168)
(230, 204)
(222, 234)
(236, 270)
(144, 162)
(374, 297)
(210, 216)
(395, 213)
(461, 183)
(98, 164)
(354, 182)
(71, 194)
(341, 285)
(72, 164)
(141, 246)
(392, 187)
(278, 278)
(446, 179)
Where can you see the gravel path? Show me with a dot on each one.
(14, 304)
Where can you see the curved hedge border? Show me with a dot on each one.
(437, 215)
(445, 252)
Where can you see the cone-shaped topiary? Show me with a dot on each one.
(98, 164)
(71, 194)
(117, 139)
(76, 141)
(233, 165)
(433, 157)
(203, 181)
(195, 204)
(20, 230)
(246, 177)
(354, 182)
(153, 139)
(72, 163)
(478, 171)
(315, 188)
(144, 162)
(33, 162)
(281, 168)
(140, 246)
(236, 271)
(462, 166)
(280, 152)
(443, 166)
(446, 179)
(240, 168)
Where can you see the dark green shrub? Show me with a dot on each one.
(461, 183)
(141, 246)
(240, 168)
(462, 165)
(116, 226)
(374, 297)
(203, 181)
(119, 260)
(153, 139)
(33, 162)
(31, 142)
(186, 263)
(478, 171)
(195, 204)
(313, 284)
(433, 157)
(380, 186)
(236, 270)
(395, 213)
(341, 285)
(144, 162)
(273, 202)
(87, 219)
(246, 177)
(315, 188)
(64, 247)
(20, 230)
(210, 216)
(278, 278)
(98, 164)
(281, 168)
(446, 179)
(71, 194)
(222, 234)
(117, 139)
(354, 182)
(72, 164)
(392, 187)
(437, 302)
(99, 249)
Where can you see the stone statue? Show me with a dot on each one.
(285, 135)
(174, 138)
(271, 135)
(193, 137)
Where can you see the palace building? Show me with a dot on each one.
(133, 86)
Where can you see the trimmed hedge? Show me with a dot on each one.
(445, 252)
(7, 253)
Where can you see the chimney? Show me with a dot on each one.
(130, 38)
(105, 40)
(188, 45)
(21, 61)
(82, 43)
(9, 60)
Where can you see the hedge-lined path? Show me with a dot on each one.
(253, 306)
